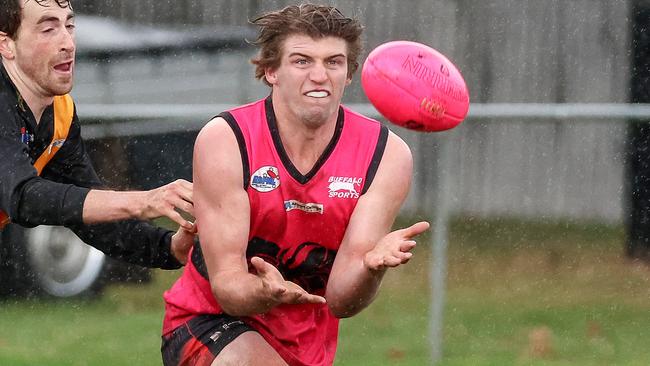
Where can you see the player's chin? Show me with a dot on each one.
(61, 87)
(316, 114)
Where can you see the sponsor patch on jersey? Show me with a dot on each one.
(344, 187)
(265, 179)
(25, 137)
(307, 207)
(56, 143)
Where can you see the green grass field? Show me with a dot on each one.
(519, 293)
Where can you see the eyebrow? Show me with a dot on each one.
(46, 18)
(306, 56)
(337, 55)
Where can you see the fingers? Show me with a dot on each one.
(297, 295)
(308, 298)
(270, 275)
(272, 281)
(391, 253)
(182, 242)
(179, 195)
(185, 188)
(184, 192)
(379, 262)
(180, 188)
(166, 200)
(180, 220)
(278, 289)
(192, 231)
(406, 246)
(184, 206)
(396, 260)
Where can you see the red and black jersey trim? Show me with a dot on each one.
(277, 141)
(376, 158)
(242, 145)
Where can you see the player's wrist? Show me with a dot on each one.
(136, 204)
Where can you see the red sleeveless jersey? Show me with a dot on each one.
(297, 224)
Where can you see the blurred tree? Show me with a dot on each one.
(638, 158)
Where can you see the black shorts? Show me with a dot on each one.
(199, 341)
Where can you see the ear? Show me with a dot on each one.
(348, 81)
(271, 76)
(7, 46)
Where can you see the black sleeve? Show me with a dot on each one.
(29, 199)
(133, 241)
(57, 198)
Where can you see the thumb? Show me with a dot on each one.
(261, 266)
(415, 229)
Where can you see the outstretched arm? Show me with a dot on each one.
(223, 215)
(368, 249)
(104, 205)
(59, 197)
(69, 191)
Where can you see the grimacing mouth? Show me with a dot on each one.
(319, 93)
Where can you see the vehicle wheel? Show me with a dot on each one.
(64, 265)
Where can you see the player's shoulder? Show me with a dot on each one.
(8, 106)
(10, 120)
(215, 128)
(256, 104)
(359, 117)
(394, 143)
(397, 147)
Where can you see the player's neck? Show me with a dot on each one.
(36, 101)
(304, 143)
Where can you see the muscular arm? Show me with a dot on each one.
(368, 248)
(223, 216)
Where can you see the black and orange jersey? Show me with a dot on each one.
(56, 196)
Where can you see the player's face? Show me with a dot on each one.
(312, 76)
(43, 50)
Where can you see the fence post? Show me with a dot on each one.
(637, 196)
(439, 246)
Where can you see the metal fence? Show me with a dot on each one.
(522, 160)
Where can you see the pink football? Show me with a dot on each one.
(415, 86)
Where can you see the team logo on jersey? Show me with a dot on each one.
(307, 207)
(344, 187)
(308, 264)
(265, 179)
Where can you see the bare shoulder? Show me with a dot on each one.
(216, 150)
(217, 139)
(395, 169)
(215, 128)
(397, 151)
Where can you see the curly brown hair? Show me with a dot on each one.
(11, 14)
(316, 21)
